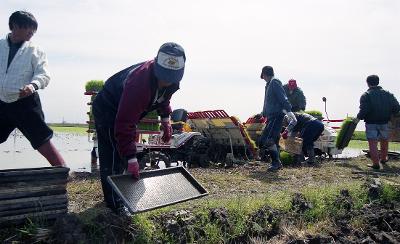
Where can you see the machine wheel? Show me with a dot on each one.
(152, 159)
(197, 152)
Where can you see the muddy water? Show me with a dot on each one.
(17, 152)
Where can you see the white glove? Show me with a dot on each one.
(291, 117)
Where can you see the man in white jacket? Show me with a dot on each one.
(23, 70)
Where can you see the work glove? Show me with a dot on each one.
(291, 116)
(133, 168)
(356, 120)
(167, 129)
(285, 134)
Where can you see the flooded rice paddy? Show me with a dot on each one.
(76, 149)
(17, 152)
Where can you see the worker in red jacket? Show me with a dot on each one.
(126, 98)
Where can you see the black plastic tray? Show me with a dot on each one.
(33, 174)
(156, 188)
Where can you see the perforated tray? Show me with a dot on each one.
(156, 188)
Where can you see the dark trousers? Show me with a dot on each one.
(310, 133)
(272, 131)
(27, 115)
(110, 164)
(270, 137)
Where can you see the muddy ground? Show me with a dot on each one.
(379, 222)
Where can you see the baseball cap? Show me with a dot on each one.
(267, 70)
(170, 63)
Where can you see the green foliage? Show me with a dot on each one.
(145, 227)
(69, 129)
(281, 200)
(286, 158)
(390, 193)
(150, 126)
(324, 202)
(317, 114)
(359, 135)
(94, 85)
(342, 132)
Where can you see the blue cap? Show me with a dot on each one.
(170, 63)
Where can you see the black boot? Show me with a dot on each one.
(276, 162)
(311, 156)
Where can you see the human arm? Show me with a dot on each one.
(364, 108)
(280, 94)
(134, 101)
(41, 76)
(396, 105)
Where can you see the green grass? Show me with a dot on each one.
(239, 209)
(70, 129)
(359, 135)
(393, 146)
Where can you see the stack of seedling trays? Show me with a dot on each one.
(91, 89)
(346, 132)
(37, 194)
(149, 123)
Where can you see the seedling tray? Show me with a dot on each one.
(156, 188)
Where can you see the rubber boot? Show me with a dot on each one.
(384, 151)
(276, 162)
(311, 156)
(51, 154)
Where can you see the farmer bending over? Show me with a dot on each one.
(126, 98)
(306, 127)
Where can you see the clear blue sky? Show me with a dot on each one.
(328, 46)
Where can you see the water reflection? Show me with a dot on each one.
(17, 152)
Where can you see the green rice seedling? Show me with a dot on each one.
(286, 158)
(315, 113)
(94, 85)
(342, 132)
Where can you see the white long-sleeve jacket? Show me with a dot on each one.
(29, 65)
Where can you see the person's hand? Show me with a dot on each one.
(356, 120)
(133, 168)
(26, 91)
(167, 129)
(285, 134)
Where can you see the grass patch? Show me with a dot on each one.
(323, 199)
(393, 146)
(70, 129)
(359, 135)
(324, 202)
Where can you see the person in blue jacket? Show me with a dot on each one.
(276, 105)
